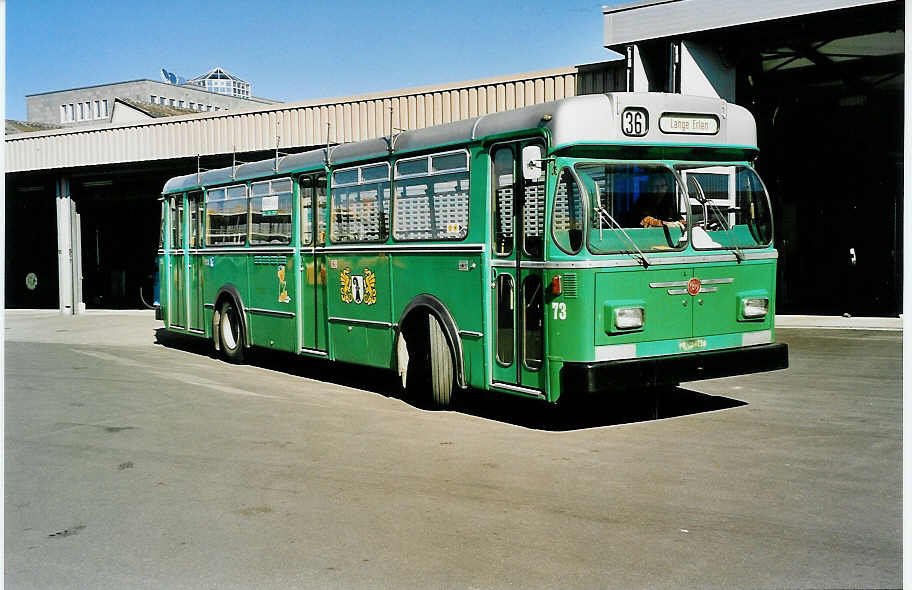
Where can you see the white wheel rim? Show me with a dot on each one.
(228, 332)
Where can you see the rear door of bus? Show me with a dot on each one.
(194, 281)
(312, 269)
(177, 307)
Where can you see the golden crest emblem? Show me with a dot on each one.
(345, 279)
(358, 288)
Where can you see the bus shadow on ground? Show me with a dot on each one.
(628, 408)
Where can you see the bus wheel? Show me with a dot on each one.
(441, 365)
(231, 334)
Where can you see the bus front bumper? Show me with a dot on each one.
(627, 374)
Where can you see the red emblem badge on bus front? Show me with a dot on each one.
(693, 286)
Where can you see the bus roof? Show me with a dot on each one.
(673, 119)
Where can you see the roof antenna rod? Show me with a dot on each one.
(328, 159)
(393, 136)
(199, 171)
(234, 162)
(275, 166)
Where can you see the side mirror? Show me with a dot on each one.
(532, 162)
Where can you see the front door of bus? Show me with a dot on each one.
(312, 324)
(517, 299)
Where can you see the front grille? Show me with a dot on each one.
(568, 287)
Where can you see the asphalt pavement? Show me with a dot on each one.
(137, 459)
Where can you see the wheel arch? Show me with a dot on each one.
(433, 306)
(229, 292)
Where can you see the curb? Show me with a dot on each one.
(838, 322)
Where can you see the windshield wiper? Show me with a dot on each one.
(639, 256)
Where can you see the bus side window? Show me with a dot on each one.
(226, 216)
(320, 193)
(360, 204)
(270, 211)
(161, 229)
(432, 197)
(306, 190)
(533, 312)
(506, 315)
(533, 216)
(195, 207)
(567, 216)
(177, 222)
(503, 201)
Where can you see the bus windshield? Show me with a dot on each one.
(729, 204)
(634, 207)
(650, 207)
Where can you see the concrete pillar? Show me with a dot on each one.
(703, 72)
(637, 76)
(69, 268)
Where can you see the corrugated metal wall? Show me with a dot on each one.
(301, 124)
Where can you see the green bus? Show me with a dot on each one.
(587, 247)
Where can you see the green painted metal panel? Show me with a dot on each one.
(455, 279)
(273, 291)
(219, 270)
(716, 311)
(358, 295)
(668, 314)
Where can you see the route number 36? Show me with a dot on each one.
(634, 122)
(560, 310)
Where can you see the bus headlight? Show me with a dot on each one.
(754, 307)
(628, 318)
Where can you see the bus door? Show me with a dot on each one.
(177, 310)
(312, 271)
(518, 297)
(194, 282)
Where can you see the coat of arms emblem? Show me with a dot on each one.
(358, 288)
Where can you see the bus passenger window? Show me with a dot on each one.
(360, 204)
(320, 192)
(177, 223)
(567, 217)
(270, 212)
(194, 201)
(533, 216)
(505, 318)
(533, 312)
(503, 201)
(226, 216)
(432, 201)
(306, 190)
(161, 230)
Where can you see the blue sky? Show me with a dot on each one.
(293, 51)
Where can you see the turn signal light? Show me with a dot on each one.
(556, 285)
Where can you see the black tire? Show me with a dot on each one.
(441, 365)
(231, 333)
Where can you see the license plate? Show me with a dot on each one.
(692, 344)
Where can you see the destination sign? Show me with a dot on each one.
(693, 124)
